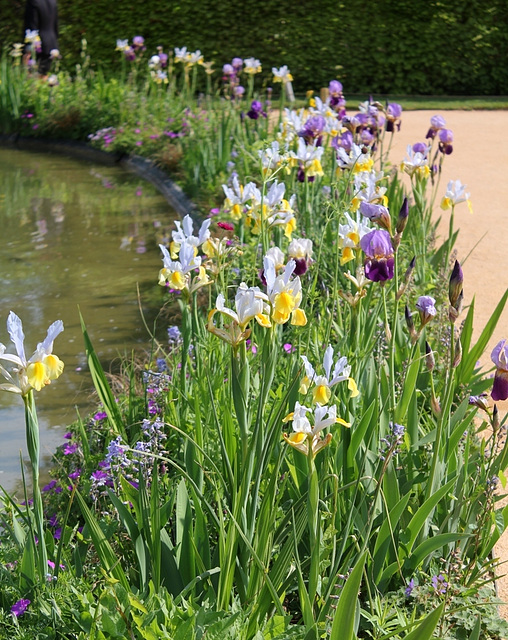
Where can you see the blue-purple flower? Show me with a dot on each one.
(426, 308)
(393, 113)
(379, 262)
(256, 110)
(19, 608)
(312, 131)
(376, 213)
(445, 141)
(499, 357)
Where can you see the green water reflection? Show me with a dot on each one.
(73, 233)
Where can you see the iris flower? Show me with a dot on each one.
(350, 235)
(455, 194)
(177, 273)
(282, 74)
(324, 383)
(378, 248)
(43, 367)
(250, 303)
(185, 233)
(499, 357)
(305, 434)
(284, 294)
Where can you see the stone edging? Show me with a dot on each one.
(142, 167)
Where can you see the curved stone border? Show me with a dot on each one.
(142, 167)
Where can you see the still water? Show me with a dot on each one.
(73, 235)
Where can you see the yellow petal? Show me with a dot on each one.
(298, 318)
(322, 394)
(343, 422)
(37, 375)
(54, 366)
(351, 385)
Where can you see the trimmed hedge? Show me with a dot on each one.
(436, 47)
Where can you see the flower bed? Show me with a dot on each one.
(313, 425)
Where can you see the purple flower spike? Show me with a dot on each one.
(19, 608)
(499, 357)
(377, 246)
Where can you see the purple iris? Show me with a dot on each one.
(237, 64)
(312, 131)
(376, 213)
(393, 113)
(445, 141)
(228, 70)
(256, 110)
(344, 140)
(499, 357)
(163, 59)
(335, 88)
(420, 147)
(426, 308)
(138, 42)
(377, 246)
(436, 124)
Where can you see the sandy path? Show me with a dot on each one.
(480, 161)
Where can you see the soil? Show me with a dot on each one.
(480, 161)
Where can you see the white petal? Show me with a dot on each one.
(15, 330)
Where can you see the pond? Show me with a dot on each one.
(76, 236)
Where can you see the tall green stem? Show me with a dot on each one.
(33, 446)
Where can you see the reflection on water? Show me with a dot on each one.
(72, 233)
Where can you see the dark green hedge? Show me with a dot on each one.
(455, 47)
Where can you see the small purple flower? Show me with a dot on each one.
(379, 263)
(174, 334)
(288, 347)
(499, 357)
(409, 589)
(19, 608)
(49, 487)
(439, 583)
(74, 475)
(256, 110)
(426, 308)
(237, 63)
(228, 70)
(239, 91)
(100, 415)
(70, 448)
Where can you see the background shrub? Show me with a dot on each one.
(389, 46)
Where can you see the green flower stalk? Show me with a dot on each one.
(30, 375)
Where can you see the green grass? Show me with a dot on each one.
(412, 103)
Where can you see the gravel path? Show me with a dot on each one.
(480, 161)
